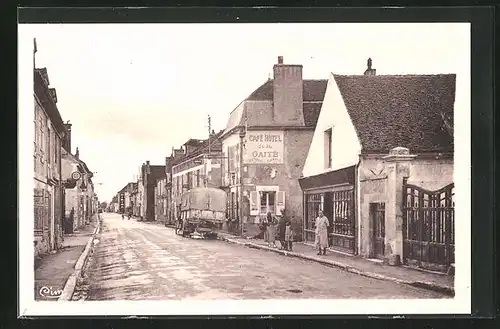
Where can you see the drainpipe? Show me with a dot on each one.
(357, 199)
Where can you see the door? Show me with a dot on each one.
(52, 229)
(377, 219)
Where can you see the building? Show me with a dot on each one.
(201, 165)
(87, 195)
(277, 121)
(149, 176)
(381, 156)
(161, 208)
(48, 190)
(113, 205)
(133, 197)
(139, 197)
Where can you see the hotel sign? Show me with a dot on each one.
(263, 147)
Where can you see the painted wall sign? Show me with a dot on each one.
(263, 147)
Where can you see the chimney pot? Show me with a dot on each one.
(369, 69)
(280, 59)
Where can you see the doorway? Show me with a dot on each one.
(377, 219)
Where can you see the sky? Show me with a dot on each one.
(134, 91)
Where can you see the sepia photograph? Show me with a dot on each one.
(292, 168)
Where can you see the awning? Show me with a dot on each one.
(331, 178)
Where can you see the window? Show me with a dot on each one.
(328, 148)
(267, 202)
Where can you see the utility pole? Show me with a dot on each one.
(34, 52)
(209, 132)
(242, 135)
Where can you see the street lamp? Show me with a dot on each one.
(242, 135)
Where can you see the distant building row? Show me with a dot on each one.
(64, 198)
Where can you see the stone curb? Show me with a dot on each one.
(69, 287)
(419, 284)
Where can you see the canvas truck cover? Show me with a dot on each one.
(204, 198)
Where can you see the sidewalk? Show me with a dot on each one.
(53, 270)
(358, 265)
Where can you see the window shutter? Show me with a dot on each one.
(254, 203)
(280, 202)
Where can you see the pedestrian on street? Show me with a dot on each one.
(263, 229)
(179, 224)
(281, 230)
(271, 230)
(321, 233)
(288, 235)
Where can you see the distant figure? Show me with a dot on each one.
(179, 224)
(281, 230)
(263, 229)
(271, 230)
(123, 214)
(321, 233)
(288, 236)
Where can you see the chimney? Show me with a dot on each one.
(77, 153)
(67, 136)
(369, 70)
(191, 145)
(287, 94)
(178, 153)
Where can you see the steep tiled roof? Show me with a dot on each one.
(313, 95)
(41, 90)
(313, 90)
(405, 110)
(215, 145)
(157, 171)
(311, 112)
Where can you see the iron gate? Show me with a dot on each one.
(428, 227)
(343, 224)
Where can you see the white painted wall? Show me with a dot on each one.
(346, 146)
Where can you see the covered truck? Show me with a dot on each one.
(203, 210)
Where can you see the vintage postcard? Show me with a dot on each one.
(195, 169)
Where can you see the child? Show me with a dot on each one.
(288, 236)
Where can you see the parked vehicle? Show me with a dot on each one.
(202, 211)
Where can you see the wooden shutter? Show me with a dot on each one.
(280, 202)
(254, 203)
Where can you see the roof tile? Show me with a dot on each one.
(401, 110)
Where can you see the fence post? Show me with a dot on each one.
(398, 168)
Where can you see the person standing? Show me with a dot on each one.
(288, 235)
(271, 230)
(321, 232)
(263, 229)
(281, 230)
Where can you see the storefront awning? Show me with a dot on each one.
(331, 178)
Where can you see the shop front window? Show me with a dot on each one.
(268, 202)
(313, 205)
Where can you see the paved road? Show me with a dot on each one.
(139, 261)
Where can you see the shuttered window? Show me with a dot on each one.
(280, 202)
(254, 203)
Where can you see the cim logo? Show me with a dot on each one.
(47, 292)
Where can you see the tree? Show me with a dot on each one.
(104, 205)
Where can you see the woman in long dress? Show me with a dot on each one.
(321, 233)
(271, 231)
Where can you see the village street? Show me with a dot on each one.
(139, 261)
